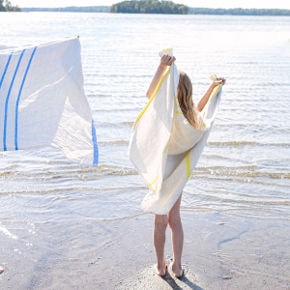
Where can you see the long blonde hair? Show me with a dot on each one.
(184, 95)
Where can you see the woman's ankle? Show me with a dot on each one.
(176, 269)
(161, 268)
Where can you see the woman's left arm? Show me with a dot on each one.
(165, 61)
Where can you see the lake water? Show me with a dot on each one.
(56, 216)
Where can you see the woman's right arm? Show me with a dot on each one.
(205, 98)
(166, 60)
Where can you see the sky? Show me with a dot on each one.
(281, 4)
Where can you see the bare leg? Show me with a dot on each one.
(159, 242)
(175, 224)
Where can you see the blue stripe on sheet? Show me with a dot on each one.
(18, 99)
(7, 101)
(95, 145)
(5, 70)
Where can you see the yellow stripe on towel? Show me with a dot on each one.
(151, 183)
(152, 98)
(187, 164)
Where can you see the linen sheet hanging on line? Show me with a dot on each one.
(42, 101)
(164, 147)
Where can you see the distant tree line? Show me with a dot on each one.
(7, 6)
(168, 7)
(240, 11)
(152, 6)
(84, 9)
(149, 6)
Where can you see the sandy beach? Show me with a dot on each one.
(220, 252)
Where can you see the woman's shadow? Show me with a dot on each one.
(184, 280)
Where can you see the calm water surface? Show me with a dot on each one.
(243, 172)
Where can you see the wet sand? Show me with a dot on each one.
(220, 252)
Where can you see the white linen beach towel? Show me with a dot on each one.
(43, 103)
(164, 147)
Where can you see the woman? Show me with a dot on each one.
(184, 95)
(164, 197)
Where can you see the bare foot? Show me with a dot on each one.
(1, 269)
(161, 270)
(177, 271)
